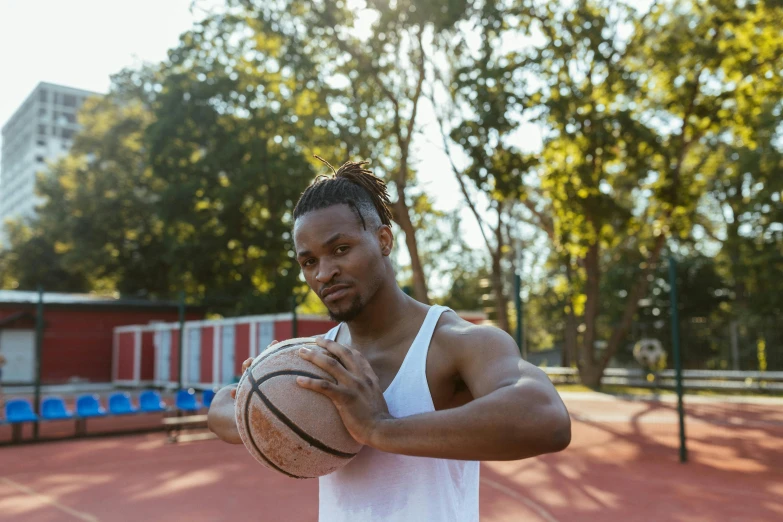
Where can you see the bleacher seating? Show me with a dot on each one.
(187, 401)
(53, 408)
(19, 410)
(150, 402)
(206, 397)
(89, 406)
(120, 404)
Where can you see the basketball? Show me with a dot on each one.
(289, 429)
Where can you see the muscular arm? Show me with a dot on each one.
(516, 421)
(221, 419)
(516, 412)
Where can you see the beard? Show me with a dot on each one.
(358, 304)
(352, 312)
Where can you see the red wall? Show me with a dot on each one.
(26, 323)
(147, 363)
(305, 328)
(78, 342)
(127, 342)
(207, 349)
(241, 346)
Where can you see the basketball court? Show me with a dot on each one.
(622, 465)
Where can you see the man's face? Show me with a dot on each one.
(341, 261)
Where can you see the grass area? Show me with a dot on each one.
(613, 389)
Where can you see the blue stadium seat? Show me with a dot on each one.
(186, 400)
(53, 408)
(120, 404)
(207, 397)
(89, 406)
(19, 410)
(150, 402)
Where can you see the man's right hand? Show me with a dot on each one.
(221, 418)
(245, 366)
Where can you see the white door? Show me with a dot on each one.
(194, 355)
(266, 334)
(18, 348)
(227, 355)
(163, 350)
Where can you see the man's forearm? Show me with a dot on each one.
(221, 418)
(509, 424)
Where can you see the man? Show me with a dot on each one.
(415, 381)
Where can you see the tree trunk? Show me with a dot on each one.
(590, 370)
(402, 218)
(591, 375)
(592, 302)
(501, 302)
(632, 303)
(569, 349)
(569, 336)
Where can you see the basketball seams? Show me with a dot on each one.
(255, 388)
(260, 453)
(249, 386)
(279, 347)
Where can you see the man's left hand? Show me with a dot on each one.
(357, 395)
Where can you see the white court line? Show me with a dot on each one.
(543, 513)
(49, 500)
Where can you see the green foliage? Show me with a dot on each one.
(96, 230)
(371, 60)
(470, 282)
(33, 261)
(649, 118)
(184, 177)
(229, 149)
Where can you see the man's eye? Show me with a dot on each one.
(341, 249)
(309, 262)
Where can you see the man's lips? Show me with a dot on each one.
(334, 292)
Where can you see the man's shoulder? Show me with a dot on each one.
(455, 332)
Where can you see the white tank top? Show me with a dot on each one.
(387, 487)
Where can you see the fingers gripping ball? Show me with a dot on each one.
(289, 429)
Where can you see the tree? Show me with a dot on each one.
(634, 122)
(634, 107)
(97, 229)
(481, 120)
(186, 174)
(373, 61)
(230, 150)
(32, 261)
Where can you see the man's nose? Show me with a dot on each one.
(326, 271)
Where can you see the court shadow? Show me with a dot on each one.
(630, 470)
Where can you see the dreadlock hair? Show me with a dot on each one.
(352, 185)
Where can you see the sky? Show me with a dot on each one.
(81, 43)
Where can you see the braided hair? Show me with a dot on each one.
(352, 185)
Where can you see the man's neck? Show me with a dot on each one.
(384, 314)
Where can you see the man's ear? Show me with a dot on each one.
(385, 239)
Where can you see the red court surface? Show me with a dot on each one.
(621, 466)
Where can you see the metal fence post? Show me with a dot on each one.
(677, 355)
(39, 328)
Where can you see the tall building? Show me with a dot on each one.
(41, 130)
